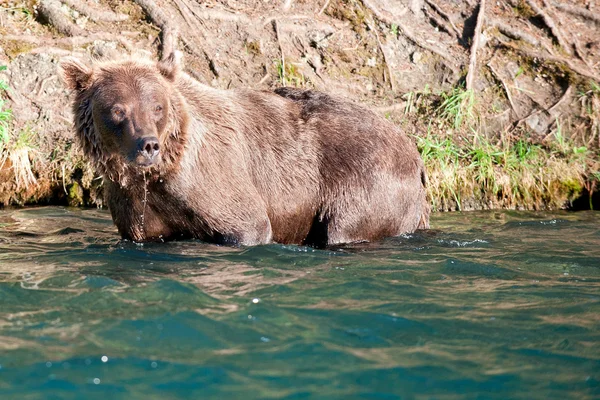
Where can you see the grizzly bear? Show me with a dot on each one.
(184, 160)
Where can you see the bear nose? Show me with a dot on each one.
(150, 147)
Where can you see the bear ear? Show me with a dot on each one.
(170, 65)
(75, 74)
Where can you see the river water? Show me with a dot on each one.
(485, 305)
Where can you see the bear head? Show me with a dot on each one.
(129, 116)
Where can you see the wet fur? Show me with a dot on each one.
(250, 167)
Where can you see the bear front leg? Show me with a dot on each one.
(237, 216)
(135, 220)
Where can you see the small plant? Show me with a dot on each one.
(457, 107)
(5, 115)
(394, 30)
(289, 74)
(520, 72)
(414, 99)
(16, 149)
(19, 155)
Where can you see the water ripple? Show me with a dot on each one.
(484, 305)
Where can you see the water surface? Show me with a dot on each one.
(485, 305)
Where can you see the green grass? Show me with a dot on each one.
(503, 172)
(458, 107)
(15, 147)
(289, 75)
(502, 169)
(5, 114)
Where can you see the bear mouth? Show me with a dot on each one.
(142, 161)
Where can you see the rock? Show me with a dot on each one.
(416, 57)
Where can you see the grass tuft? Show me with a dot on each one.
(15, 148)
(503, 172)
(289, 75)
(458, 107)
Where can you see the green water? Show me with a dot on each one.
(486, 305)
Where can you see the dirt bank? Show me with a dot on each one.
(503, 100)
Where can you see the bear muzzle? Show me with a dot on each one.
(148, 151)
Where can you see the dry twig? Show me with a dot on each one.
(322, 10)
(277, 34)
(385, 58)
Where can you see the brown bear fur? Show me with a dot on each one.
(242, 166)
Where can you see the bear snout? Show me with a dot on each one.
(148, 151)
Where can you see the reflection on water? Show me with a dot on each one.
(486, 304)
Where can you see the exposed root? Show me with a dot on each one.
(216, 15)
(406, 32)
(513, 33)
(416, 6)
(555, 59)
(50, 12)
(93, 13)
(52, 45)
(441, 12)
(552, 25)
(578, 11)
(506, 90)
(385, 59)
(440, 23)
(187, 16)
(392, 108)
(552, 111)
(168, 32)
(475, 45)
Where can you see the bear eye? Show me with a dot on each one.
(158, 108)
(118, 113)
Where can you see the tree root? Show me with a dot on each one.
(385, 59)
(552, 111)
(50, 12)
(555, 59)
(441, 23)
(169, 34)
(578, 11)
(53, 45)
(441, 12)
(473, 59)
(556, 32)
(506, 89)
(513, 33)
(93, 13)
(410, 36)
